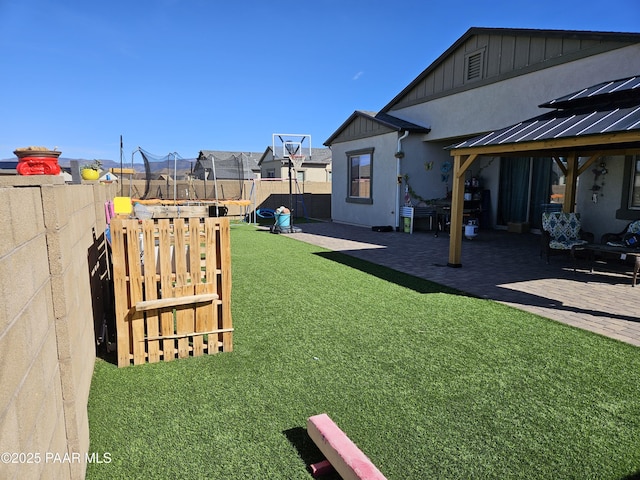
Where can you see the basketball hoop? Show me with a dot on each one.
(297, 160)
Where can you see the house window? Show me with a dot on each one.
(360, 176)
(271, 173)
(299, 176)
(473, 66)
(630, 197)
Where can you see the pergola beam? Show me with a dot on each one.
(550, 146)
(561, 165)
(590, 161)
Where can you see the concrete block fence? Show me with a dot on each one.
(49, 233)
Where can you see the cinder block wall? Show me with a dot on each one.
(47, 339)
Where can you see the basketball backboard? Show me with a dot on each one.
(290, 145)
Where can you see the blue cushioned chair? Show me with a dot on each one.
(560, 232)
(618, 238)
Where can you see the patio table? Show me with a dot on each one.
(611, 251)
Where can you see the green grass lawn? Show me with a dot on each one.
(428, 383)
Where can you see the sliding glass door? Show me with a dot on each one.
(526, 185)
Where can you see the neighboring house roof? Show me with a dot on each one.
(225, 166)
(384, 120)
(606, 108)
(8, 167)
(319, 156)
(487, 55)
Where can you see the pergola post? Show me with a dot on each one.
(461, 164)
(569, 203)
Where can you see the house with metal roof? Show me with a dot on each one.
(439, 137)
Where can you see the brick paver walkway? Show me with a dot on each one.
(501, 266)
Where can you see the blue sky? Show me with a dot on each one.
(186, 75)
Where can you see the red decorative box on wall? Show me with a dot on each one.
(37, 161)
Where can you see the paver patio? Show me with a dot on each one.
(500, 266)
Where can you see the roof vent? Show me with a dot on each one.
(474, 66)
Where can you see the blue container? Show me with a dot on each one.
(283, 220)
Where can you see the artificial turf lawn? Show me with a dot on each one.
(427, 382)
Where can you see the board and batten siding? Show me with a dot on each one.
(361, 127)
(494, 57)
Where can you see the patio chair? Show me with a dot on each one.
(561, 232)
(618, 238)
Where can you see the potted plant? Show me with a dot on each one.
(37, 161)
(91, 171)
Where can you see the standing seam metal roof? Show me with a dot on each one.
(604, 108)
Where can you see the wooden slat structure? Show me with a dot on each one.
(172, 283)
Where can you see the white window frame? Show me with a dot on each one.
(361, 195)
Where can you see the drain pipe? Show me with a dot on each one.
(398, 180)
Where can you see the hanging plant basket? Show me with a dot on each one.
(37, 161)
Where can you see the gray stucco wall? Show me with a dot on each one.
(384, 187)
(507, 102)
(599, 218)
(474, 112)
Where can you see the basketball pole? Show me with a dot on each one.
(290, 196)
(292, 148)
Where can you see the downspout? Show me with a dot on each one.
(398, 200)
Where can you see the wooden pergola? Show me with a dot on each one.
(591, 147)
(601, 120)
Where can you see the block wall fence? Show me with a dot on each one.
(51, 251)
(52, 263)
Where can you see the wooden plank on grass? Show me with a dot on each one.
(344, 455)
(151, 289)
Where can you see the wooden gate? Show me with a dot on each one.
(172, 284)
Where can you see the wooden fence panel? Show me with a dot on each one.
(172, 284)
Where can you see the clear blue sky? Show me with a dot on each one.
(186, 75)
